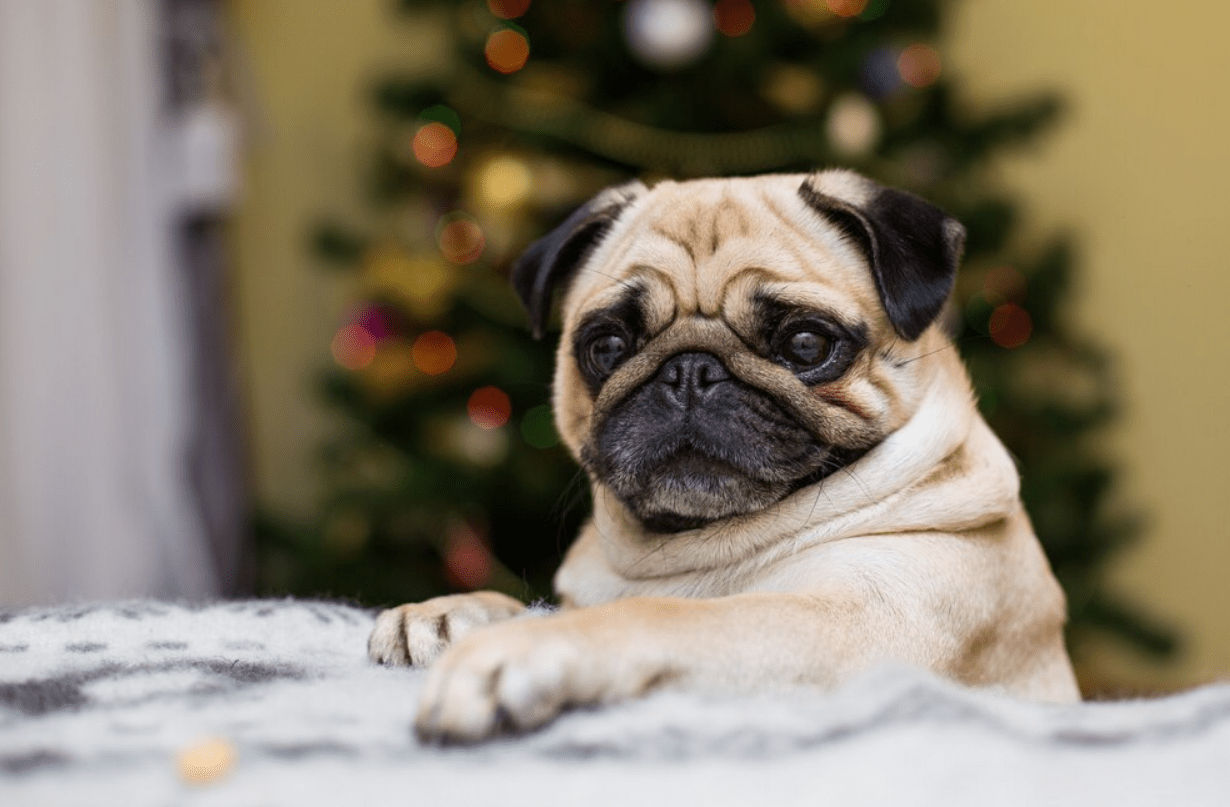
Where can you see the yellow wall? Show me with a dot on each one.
(304, 69)
(1138, 170)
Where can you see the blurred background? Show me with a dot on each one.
(255, 329)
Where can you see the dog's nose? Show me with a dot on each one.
(689, 376)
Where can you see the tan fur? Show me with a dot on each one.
(919, 552)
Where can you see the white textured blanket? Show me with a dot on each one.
(274, 703)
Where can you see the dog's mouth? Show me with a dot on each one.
(690, 490)
(730, 454)
(669, 523)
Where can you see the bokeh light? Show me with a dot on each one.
(391, 373)
(846, 8)
(353, 346)
(442, 113)
(507, 50)
(421, 284)
(467, 560)
(1005, 283)
(508, 9)
(435, 145)
(668, 34)
(978, 310)
(1010, 325)
(734, 17)
(504, 182)
(460, 239)
(538, 427)
(793, 89)
(458, 438)
(853, 125)
(377, 320)
(919, 65)
(880, 74)
(434, 352)
(489, 408)
(812, 13)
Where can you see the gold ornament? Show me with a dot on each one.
(459, 438)
(853, 125)
(809, 13)
(391, 373)
(792, 89)
(423, 284)
(502, 182)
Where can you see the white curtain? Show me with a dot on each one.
(94, 495)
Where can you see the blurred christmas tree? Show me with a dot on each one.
(452, 476)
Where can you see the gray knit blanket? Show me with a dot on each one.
(275, 703)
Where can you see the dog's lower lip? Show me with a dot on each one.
(690, 468)
(667, 523)
(692, 461)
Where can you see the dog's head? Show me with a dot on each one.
(728, 342)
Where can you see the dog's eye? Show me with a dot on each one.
(606, 352)
(806, 348)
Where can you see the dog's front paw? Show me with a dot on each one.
(416, 634)
(519, 676)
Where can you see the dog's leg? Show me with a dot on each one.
(520, 675)
(416, 634)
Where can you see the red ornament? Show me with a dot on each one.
(489, 408)
(1010, 325)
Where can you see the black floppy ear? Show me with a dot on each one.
(913, 248)
(553, 259)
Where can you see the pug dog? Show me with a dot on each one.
(791, 481)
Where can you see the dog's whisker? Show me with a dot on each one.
(950, 346)
(821, 490)
(627, 284)
(849, 471)
(568, 499)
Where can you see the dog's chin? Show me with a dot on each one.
(690, 490)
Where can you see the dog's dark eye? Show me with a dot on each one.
(806, 348)
(606, 352)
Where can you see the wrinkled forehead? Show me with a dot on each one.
(706, 247)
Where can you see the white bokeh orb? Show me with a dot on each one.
(853, 125)
(668, 34)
